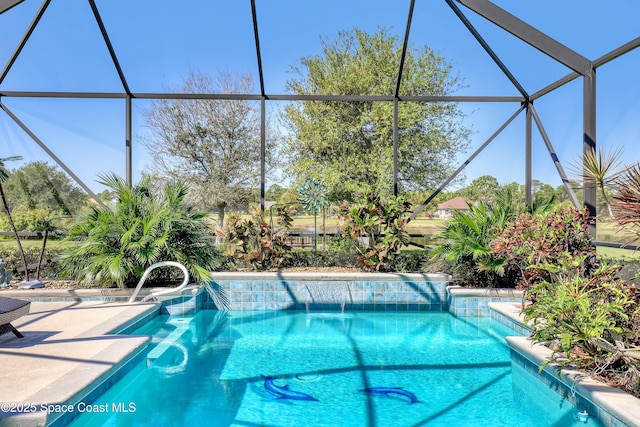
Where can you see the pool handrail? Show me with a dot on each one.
(167, 291)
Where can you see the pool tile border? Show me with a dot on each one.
(333, 291)
(474, 302)
(611, 406)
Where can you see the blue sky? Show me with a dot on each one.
(158, 43)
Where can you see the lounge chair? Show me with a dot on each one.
(10, 310)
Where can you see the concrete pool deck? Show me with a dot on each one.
(67, 350)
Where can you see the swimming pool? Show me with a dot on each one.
(329, 369)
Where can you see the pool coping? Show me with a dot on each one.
(326, 275)
(77, 294)
(613, 401)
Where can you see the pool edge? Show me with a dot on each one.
(607, 404)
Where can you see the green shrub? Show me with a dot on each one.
(414, 261)
(146, 225)
(255, 242)
(321, 259)
(463, 247)
(382, 224)
(12, 260)
(589, 320)
(27, 219)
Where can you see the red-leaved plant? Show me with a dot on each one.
(531, 241)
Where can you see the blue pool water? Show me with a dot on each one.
(207, 370)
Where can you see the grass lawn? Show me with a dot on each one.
(610, 232)
(621, 254)
(9, 243)
(418, 225)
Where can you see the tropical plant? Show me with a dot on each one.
(4, 175)
(254, 241)
(600, 170)
(147, 225)
(543, 238)
(627, 205)
(47, 227)
(582, 317)
(314, 196)
(382, 223)
(464, 244)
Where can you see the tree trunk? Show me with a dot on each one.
(44, 245)
(220, 223)
(606, 201)
(15, 232)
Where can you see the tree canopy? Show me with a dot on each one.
(212, 144)
(44, 186)
(350, 144)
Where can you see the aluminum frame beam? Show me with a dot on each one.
(50, 153)
(405, 43)
(107, 41)
(528, 147)
(589, 143)
(256, 97)
(8, 4)
(487, 48)
(395, 147)
(529, 34)
(615, 53)
(256, 35)
(25, 38)
(466, 162)
(554, 158)
(604, 59)
(128, 128)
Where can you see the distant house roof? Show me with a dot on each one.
(458, 203)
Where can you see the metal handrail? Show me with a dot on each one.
(165, 292)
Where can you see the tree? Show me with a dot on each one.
(517, 190)
(40, 185)
(212, 144)
(350, 144)
(274, 192)
(146, 225)
(482, 188)
(599, 169)
(4, 175)
(542, 190)
(48, 227)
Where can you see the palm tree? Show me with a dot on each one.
(4, 175)
(599, 169)
(146, 225)
(49, 229)
(464, 243)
